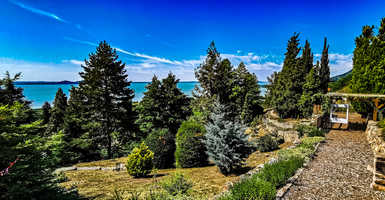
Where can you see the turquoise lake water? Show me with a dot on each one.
(39, 94)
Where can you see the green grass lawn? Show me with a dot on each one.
(208, 181)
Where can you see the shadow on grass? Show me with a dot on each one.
(242, 170)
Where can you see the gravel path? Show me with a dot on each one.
(339, 170)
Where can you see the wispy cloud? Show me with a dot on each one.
(37, 71)
(140, 55)
(38, 11)
(73, 61)
(339, 63)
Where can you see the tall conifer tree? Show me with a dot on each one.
(324, 71)
(107, 95)
(58, 111)
(46, 112)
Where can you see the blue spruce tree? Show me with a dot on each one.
(226, 142)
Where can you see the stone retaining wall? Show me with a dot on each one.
(377, 143)
(284, 128)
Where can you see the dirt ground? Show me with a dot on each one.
(339, 170)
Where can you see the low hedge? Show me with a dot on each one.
(303, 150)
(253, 188)
(277, 173)
(264, 184)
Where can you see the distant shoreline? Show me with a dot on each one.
(72, 82)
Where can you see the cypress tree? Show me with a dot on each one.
(311, 90)
(46, 112)
(107, 95)
(325, 70)
(287, 88)
(58, 111)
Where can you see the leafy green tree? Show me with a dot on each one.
(324, 71)
(46, 112)
(58, 111)
(108, 97)
(9, 93)
(226, 142)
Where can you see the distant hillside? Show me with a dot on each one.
(336, 78)
(44, 82)
(341, 82)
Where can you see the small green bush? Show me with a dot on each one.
(253, 188)
(309, 142)
(162, 143)
(176, 184)
(190, 149)
(266, 143)
(139, 162)
(277, 173)
(381, 124)
(310, 131)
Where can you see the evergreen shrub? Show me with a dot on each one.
(176, 184)
(139, 162)
(266, 143)
(190, 149)
(310, 131)
(253, 188)
(277, 173)
(162, 143)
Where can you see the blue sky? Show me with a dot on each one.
(48, 40)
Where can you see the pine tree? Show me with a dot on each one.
(226, 142)
(31, 177)
(245, 97)
(9, 93)
(205, 73)
(77, 145)
(58, 111)
(46, 112)
(176, 104)
(150, 107)
(107, 95)
(325, 70)
(164, 106)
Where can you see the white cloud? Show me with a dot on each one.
(339, 63)
(75, 62)
(38, 11)
(36, 71)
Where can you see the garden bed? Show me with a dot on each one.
(208, 181)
